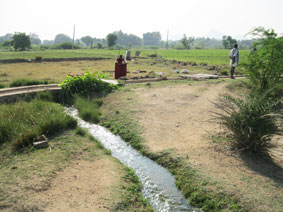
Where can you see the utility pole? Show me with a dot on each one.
(74, 36)
(167, 45)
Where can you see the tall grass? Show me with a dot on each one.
(88, 109)
(21, 123)
(27, 82)
(250, 121)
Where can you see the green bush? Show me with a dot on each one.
(22, 122)
(88, 109)
(250, 121)
(65, 45)
(27, 82)
(2, 86)
(86, 84)
(265, 62)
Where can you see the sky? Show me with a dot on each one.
(97, 18)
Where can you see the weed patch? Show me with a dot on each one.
(27, 82)
(21, 123)
(88, 109)
(132, 194)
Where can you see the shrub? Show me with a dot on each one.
(2, 86)
(265, 62)
(86, 83)
(65, 45)
(88, 109)
(80, 131)
(249, 121)
(27, 82)
(22, 122)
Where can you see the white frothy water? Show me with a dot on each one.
(158, 184)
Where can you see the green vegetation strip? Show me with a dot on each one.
(21, 123)
(209, 56)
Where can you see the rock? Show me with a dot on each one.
(128, 55)
(142, 71)
(160, 73)
(185, 71)
(137, 53)
(40, 144)
(41, 138)
(175, 71)
(151, 72)
(136, 72)
(123, 78)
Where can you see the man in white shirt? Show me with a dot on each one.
(234, 59)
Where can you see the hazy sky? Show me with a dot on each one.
(97, 18)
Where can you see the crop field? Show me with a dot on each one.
(210, 61)
(209, 56)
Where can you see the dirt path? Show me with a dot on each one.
(178, 118)
(84, 186)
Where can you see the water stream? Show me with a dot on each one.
(158, 184)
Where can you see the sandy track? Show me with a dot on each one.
(179, 118)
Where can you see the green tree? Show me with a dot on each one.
(88, 40)
(265, 61)
(21, 41)
(61, 38)
(187, 42)
(125, 39)
(228, 42)
(111, 39)
(151, 38)
(34, 39)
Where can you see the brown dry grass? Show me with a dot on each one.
(57, 71)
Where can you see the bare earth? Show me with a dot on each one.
(179, 118)
(83, 186)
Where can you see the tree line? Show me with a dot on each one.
(117, 40)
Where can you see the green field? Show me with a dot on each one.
(209, 56)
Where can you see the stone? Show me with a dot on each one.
(137, 53)
(40, 144)
(41, 138)
(185, 71)
(123, 78)
(128, 55)
(175, 71)
(160, 73)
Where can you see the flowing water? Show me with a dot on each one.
(158, 184)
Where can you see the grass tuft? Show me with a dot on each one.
(21, 123)
(27, 82)
(88, 109)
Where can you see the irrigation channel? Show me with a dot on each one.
(158, 184)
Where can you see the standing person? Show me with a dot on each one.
(234, 59)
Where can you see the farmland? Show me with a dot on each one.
(195, 61)
(210, 56)
(172, 119)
